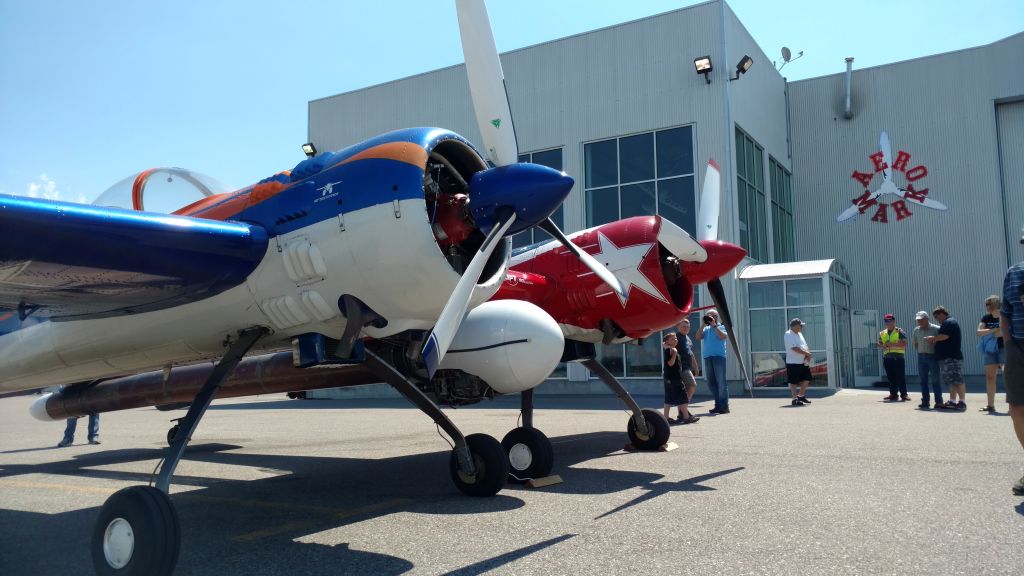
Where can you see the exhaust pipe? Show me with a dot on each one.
(848, 112)
(266, 374)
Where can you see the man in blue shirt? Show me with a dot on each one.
(950, 357)
(1011, 325)
(713, 337)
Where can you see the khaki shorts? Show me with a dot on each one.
(1013, 372)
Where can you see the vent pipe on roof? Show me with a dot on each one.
(848, 111)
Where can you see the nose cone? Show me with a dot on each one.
(722, 258)
(532, 190)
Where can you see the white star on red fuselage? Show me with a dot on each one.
(625, 264)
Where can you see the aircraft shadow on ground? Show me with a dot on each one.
(231, 524)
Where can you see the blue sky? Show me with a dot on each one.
(91, 92)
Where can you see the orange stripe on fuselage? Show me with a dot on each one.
(406, 152)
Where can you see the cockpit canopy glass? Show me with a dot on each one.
(162, 190)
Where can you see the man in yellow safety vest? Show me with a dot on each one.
(893, 342)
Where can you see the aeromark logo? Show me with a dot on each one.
(913, 194)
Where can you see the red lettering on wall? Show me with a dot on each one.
(901, 210)
(881, 215)
(916, 173)
(879, 161)
(861, 177)
(914, 194)
(864, 201)
(902, 158)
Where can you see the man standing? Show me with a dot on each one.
(893, 342)
(713, 337)
(690, 366)
(798, 361)
(927, 365)
(69, 431)
(950, 357)
(1011, 326)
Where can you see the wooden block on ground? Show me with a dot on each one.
(668, 447)
(542, 482)
(629, 447)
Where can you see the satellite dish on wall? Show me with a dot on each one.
(786, 54)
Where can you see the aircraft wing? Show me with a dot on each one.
(64, 261)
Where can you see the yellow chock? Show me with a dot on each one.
(545, 481)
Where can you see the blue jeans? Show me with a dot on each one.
(928, 370)
(714, 372)
(94, 428)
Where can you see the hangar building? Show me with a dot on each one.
(625, 113)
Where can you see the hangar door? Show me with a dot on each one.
(1010, 126)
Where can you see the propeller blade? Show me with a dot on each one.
(710, 202)
(883, 143)
(849, 213)
(596, 267)
(486, 83)
(927, 202)
(679, 243)
(718, 297)
(440, 338)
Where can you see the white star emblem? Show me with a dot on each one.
(625, 263)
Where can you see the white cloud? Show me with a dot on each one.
(45, 187)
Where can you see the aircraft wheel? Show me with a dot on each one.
(491, 467)
(657, 425)
(530, 454)
(172, 433)
(137, 533)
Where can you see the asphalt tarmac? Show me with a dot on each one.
(847, 485)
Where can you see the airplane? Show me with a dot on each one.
(887, 187)
(659, 263)
(401, 238)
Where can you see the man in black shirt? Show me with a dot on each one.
(950, 357)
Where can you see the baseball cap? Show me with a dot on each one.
(888, 317)
(922, 315)
(797, 321)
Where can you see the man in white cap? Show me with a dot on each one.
(798, 360)
(927, 364)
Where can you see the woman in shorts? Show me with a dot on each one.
(993, 361)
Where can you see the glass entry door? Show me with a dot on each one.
(867, 364)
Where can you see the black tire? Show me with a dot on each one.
(656, 424)
(152, 547)
(172, 433)
(530, 454)
(491, 467)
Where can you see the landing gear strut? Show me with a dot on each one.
(137, 533)
(529, 451)
(478, 463)
(647, 429)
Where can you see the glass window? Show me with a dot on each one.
(602, 166)
(636, 158)
(765, 294)
(767, 328)
(644, 360)
(814, 331)
(602, 206)
(549, 158)
(675, 152)
(751, 197)
(768, 369)
(638, 199)
(611, 358)
(676, 202)
(805, 292)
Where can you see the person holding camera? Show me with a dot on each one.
(713, 336)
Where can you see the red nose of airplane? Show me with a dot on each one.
(722, 258)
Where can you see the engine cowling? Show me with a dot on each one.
(510, 344)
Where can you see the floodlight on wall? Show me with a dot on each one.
(309, 150)
(741, 68)
(703, 66)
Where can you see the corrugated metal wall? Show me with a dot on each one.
(940, 109)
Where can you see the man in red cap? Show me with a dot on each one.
(893, 342)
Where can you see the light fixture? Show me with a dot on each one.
(745, 63)
(309, 150)
(703, 66)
